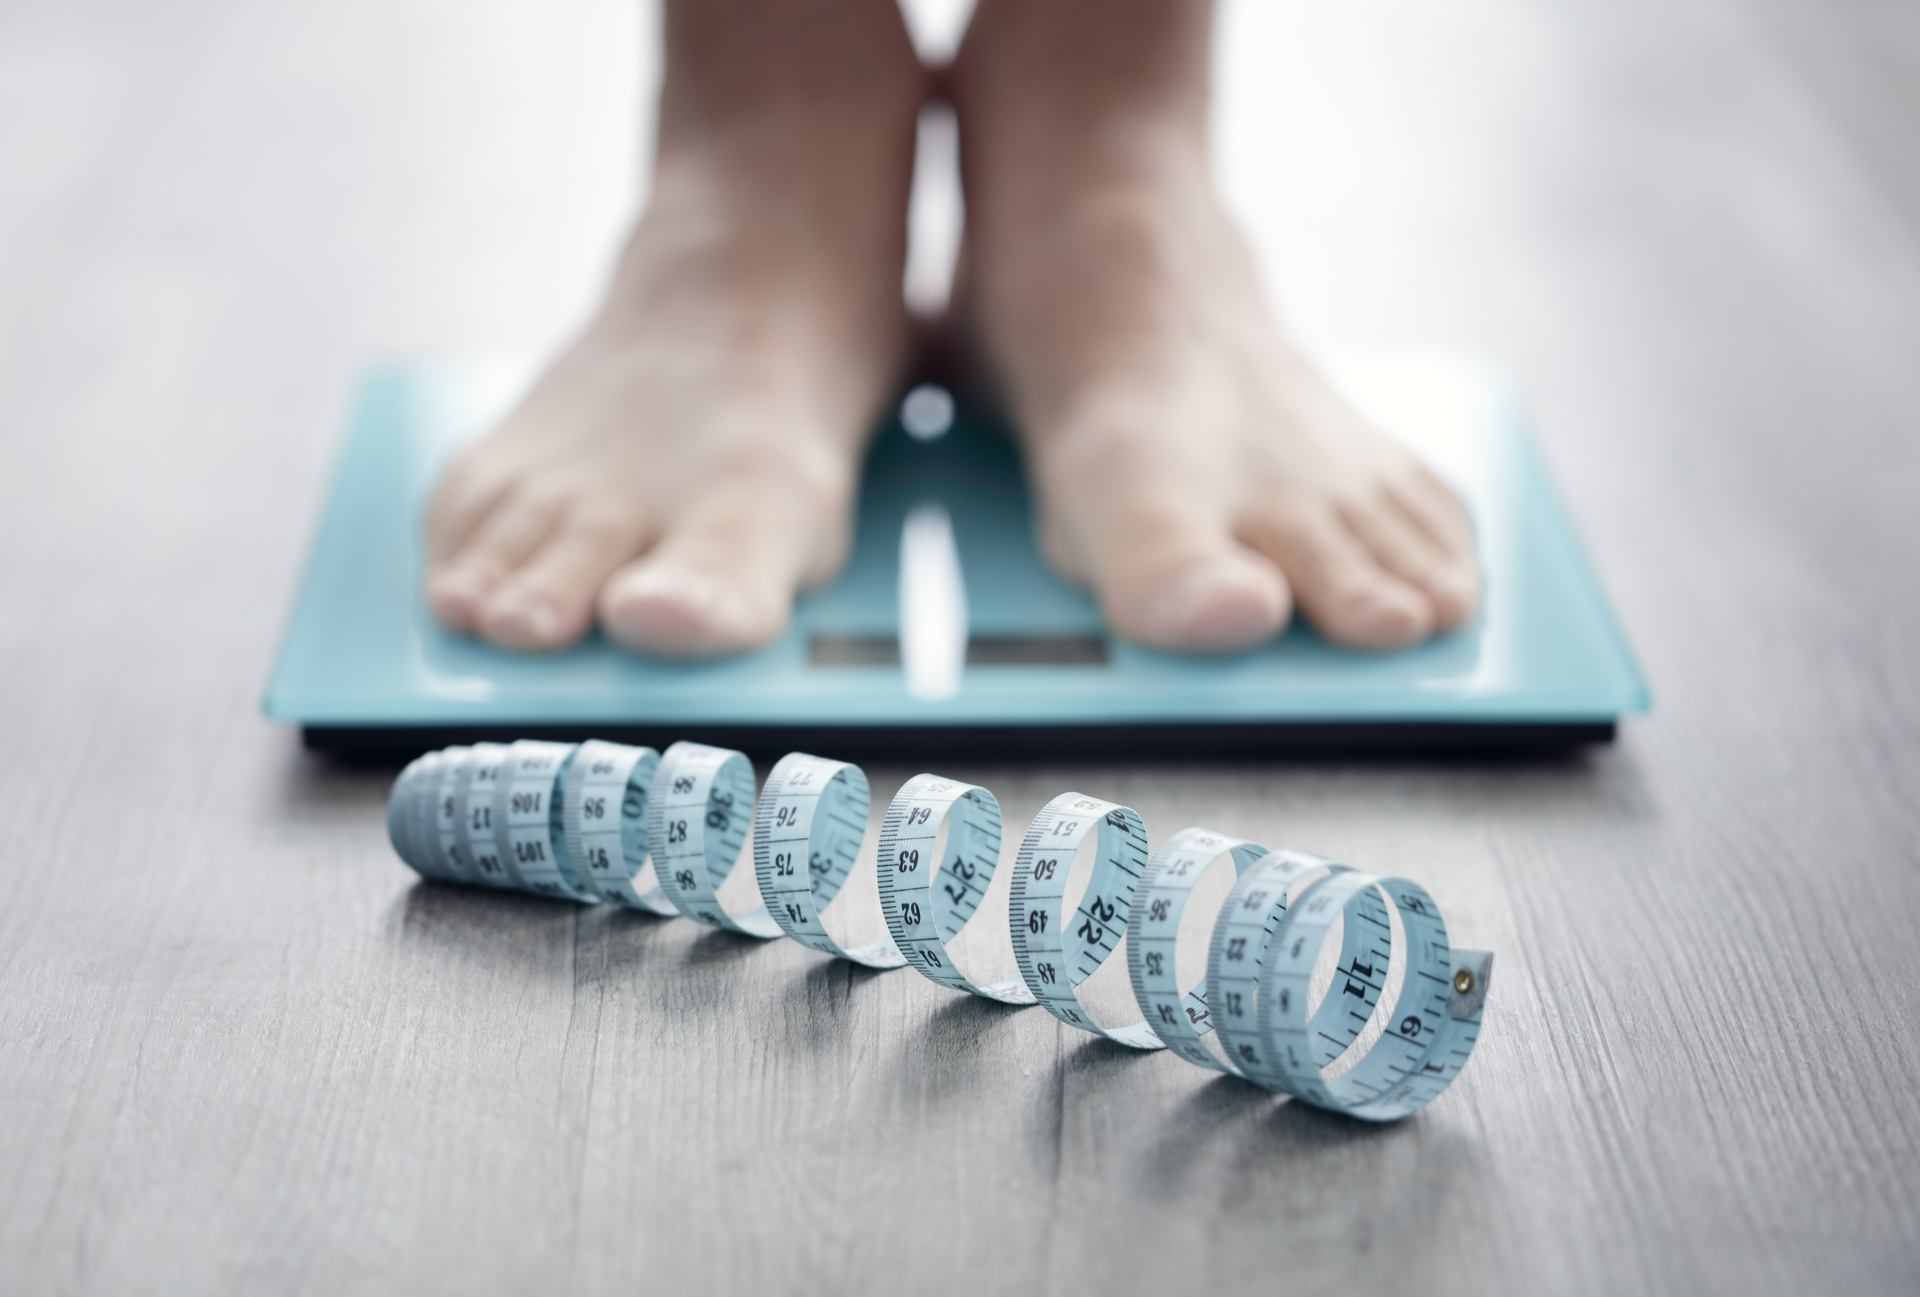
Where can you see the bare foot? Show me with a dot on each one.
(687, 463)
(1192, 465)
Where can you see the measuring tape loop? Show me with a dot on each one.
(1180, 1020)
(529, 829)
(438, 848)
(807, 831)
(581, 823)
(1238, 950)
(403, 816)
(604, 815)
(478, 844)
(445, 839)
(928, 896)
(1057, 949)
(697, 818)
(1435, 1016)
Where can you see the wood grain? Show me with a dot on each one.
(241, 1051)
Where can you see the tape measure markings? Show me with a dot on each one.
(697, 817)
(1399, 1071)
(807, 831)
(580, 823)
(1056, 953)
(925, 907)
(528, 825)
(478, 843)
(448, 808)
(1153, 932)
(1285, 989)
(1240, 948)
(604, 814)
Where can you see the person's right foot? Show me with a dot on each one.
(687, 463)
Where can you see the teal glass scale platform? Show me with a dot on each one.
(946, 635)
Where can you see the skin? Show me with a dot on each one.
(687, 463)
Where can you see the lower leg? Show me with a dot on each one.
(687, 461)
(1192, 465)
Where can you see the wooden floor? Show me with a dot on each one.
(241, 1050)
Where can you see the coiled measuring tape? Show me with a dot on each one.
(807, 832)
(603, 813)
(586, 822)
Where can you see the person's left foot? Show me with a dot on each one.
(1192, 466)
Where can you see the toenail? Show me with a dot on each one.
(458, 586)
(1382, 609)
(1455, 589)
(523, 616)
(718, 606)
(1174, 608)
(1174, 614)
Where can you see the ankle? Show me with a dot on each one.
(1068, 64)
(767, 69)
(783, 123)
(1109, 130)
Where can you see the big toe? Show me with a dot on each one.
(1213, 601)
(1172, 577)
(677, 607)
(1342, 587)
(723, 578)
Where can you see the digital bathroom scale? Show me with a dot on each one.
(946, 635)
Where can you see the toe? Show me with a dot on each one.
(1172, 577)
(677, 605)
(459, 585)
(1339, 584)
(1435, 506)
(1124, 515)
(1437, 511)
(1407, 549)
(723, 577)
(474, 483)
(548, 601)
(465, 495)
(455, 595)
(1207, 601)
